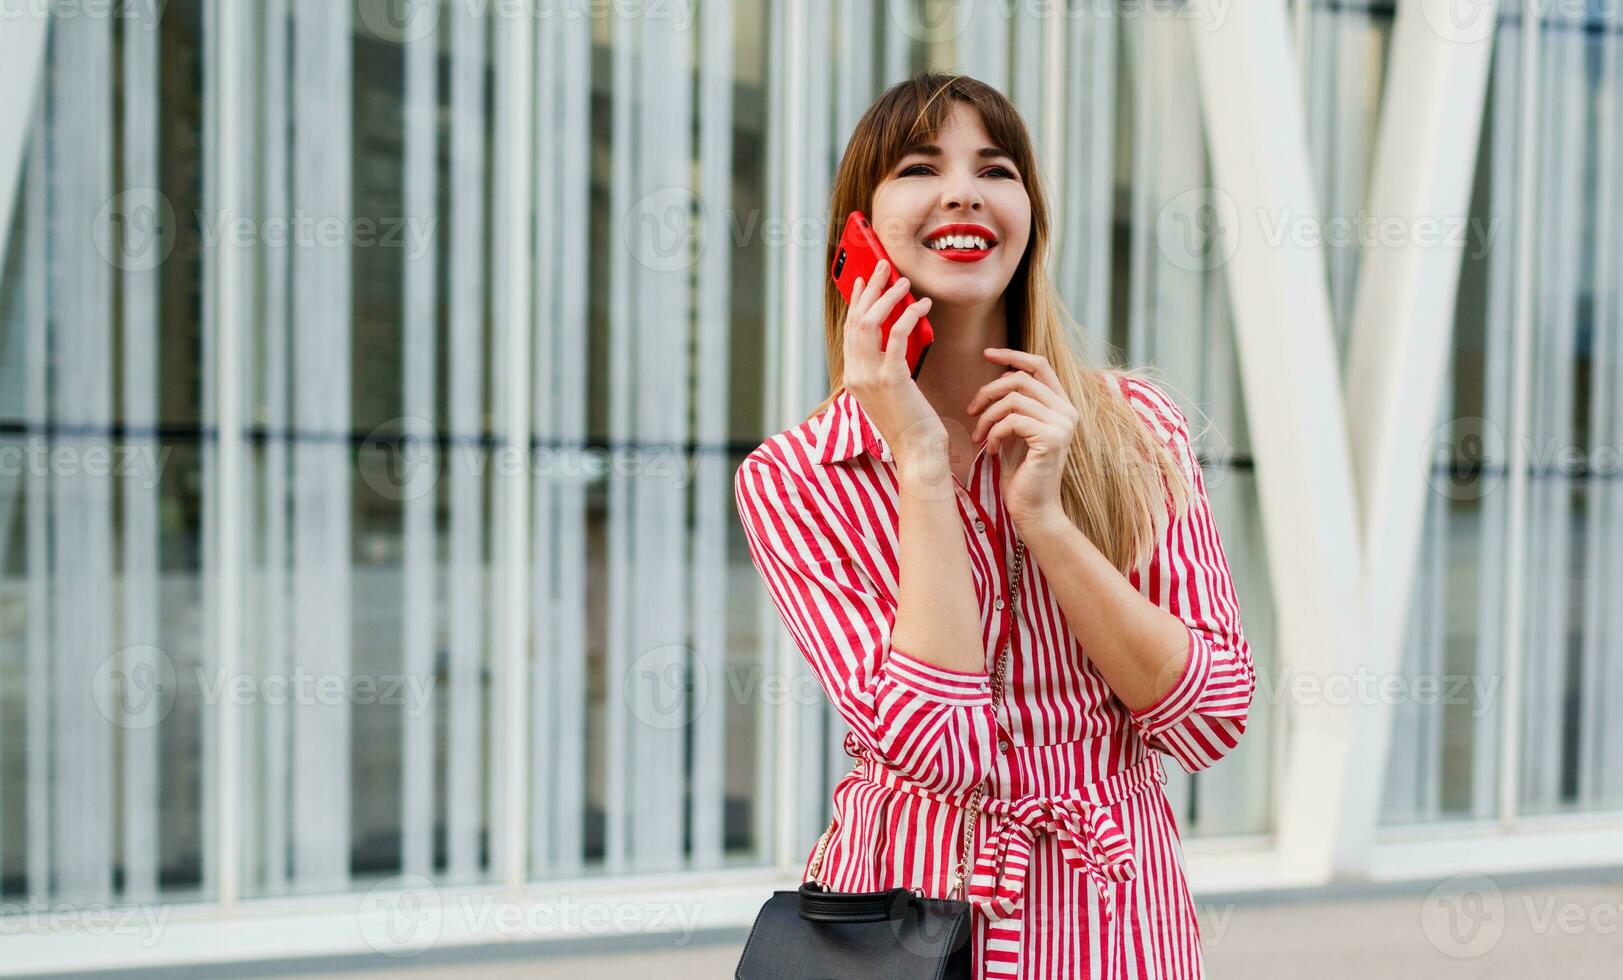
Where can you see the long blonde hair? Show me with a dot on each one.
(1118, 477)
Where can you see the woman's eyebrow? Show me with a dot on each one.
(932, 150)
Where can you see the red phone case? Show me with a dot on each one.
(858, 254)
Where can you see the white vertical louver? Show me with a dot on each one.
(983, 42)
(854, 82)
(1026, 22)
(561, 576)
(269, 624)
(624, 315)
(139, 498)
(420, 448)
(80, 170)
(711, 463)
(1600, 753)
(465, 351)
(37, 640)
(571, 391)
(898, 44)
(771, 813)
(1085, 213)
(664, 310)
(1499, 369)
(320, 412)
(1547, 656)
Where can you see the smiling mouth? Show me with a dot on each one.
(961, 243)
(961, 247)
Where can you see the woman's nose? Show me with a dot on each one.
(961, 192)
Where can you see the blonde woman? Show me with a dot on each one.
(1005, 574)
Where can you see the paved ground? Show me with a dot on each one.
(1468, 927)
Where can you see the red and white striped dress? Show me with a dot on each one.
(1077, 866)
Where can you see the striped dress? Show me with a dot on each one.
(1077, 869)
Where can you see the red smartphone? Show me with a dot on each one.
(858, 254)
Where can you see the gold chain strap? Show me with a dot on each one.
(961, 870)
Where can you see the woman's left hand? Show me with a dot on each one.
(1027, 419)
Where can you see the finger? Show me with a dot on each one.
(1011, 404)
(862, 292)
(1012, 427)
(860, 298)
(883, 305)
(1035, 364)
(876, 284)
(1015, 380)
(1007, 406)
(853, 322)
(896, 345)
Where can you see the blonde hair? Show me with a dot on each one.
(1119, 477)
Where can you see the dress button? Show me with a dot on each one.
(999, 602)
(1003, 745)
(980, 527)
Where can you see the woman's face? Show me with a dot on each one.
(935, 190)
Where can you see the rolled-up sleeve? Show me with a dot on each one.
(931, 724)
(1203, 715)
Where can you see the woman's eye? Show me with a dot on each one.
(919, 167)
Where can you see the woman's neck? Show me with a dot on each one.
(956, 368)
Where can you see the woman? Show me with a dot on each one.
(888, 526)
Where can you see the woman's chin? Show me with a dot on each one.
(953, 297)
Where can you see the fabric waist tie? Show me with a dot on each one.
(1090, 839)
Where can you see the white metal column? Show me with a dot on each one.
(1527, 153)
(22, 51)
(1250, 94)
(511, 325)
(1400, 342)
(229, 312)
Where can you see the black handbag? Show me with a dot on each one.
(813, 933)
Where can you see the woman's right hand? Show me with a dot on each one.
(879, 379)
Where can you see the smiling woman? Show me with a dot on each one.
(1005, 574)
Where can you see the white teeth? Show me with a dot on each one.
(959, 241)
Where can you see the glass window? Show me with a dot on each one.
(107, 451)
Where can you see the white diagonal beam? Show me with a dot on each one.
(1250, 95)
(22, 51)
(1403, 317)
